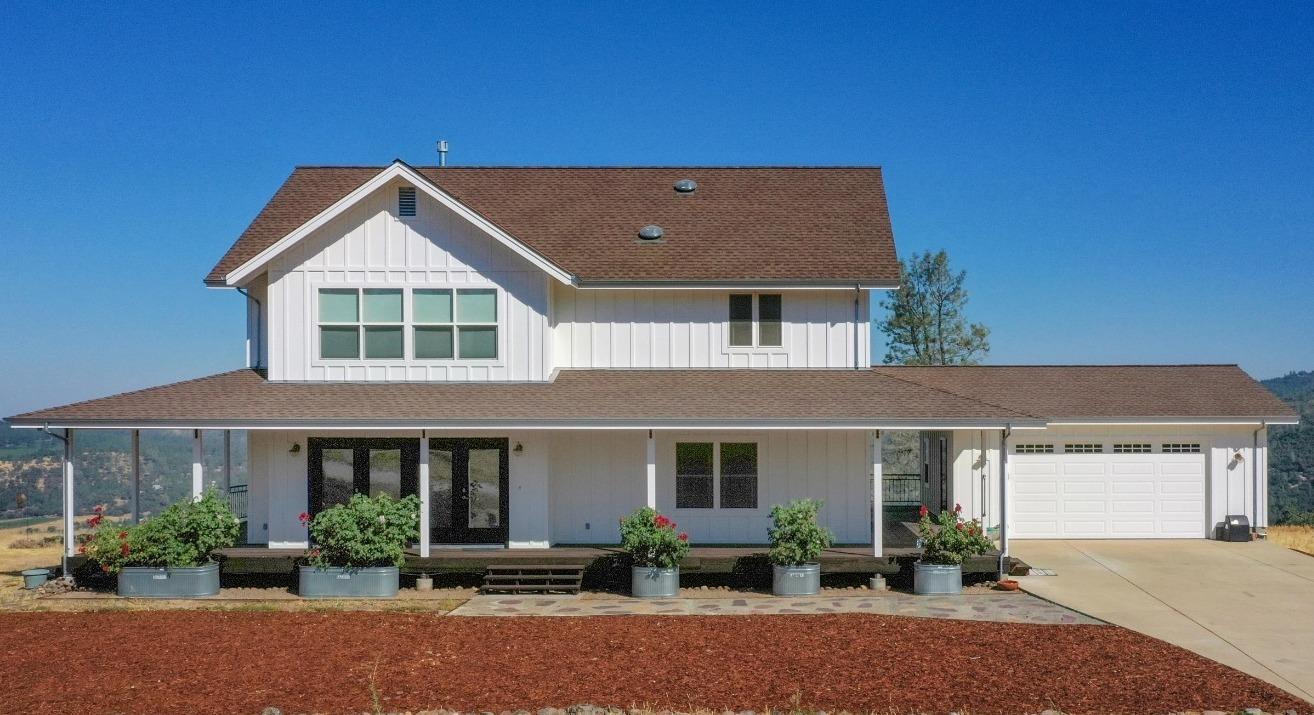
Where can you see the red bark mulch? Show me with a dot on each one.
(233, 662)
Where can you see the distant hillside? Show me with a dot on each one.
(1291, 452)
(31, 483)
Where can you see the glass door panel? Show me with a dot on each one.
(339, 476)
(385, 472)
(341, 467)
(440, 488)
(485, 502)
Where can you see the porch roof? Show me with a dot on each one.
(629, 398)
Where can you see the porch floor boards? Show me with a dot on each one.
(701, 559)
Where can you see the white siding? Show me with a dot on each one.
(370, 246)
(599, 477)
(687, 329)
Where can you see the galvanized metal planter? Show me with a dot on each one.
(340, 582)
(165, 582)
(937, 579)
(654, 582)
(33, 578)
(804, 580)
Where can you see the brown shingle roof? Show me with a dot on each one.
(742, 224)
(1060, 392)
(642, 397)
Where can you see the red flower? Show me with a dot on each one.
(661, 521)
(99, 508)
(684, 536)
(959, 526)
(958, 508)
(82, 549)
(123, 535)
(304, 518)
(94, 521)
(104, 568)
(125, 549)
(923, 511)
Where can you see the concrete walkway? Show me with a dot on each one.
(1246, 605)
(989, 606)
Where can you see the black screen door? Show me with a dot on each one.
(340, 467)
(468, 499)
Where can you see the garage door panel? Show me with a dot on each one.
(1093, 496)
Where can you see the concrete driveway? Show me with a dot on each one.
(1249, 606)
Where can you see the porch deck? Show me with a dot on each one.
(701, 559)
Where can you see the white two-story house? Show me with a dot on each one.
(537, 351)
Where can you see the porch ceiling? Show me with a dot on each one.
(762, 399)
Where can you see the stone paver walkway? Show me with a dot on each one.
(1005, 607)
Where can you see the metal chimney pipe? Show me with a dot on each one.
(442, 152)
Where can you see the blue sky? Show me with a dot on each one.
(1123, 183)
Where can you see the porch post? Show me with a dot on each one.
(424, 495)
(1003, 500)
(198, 472)
(877, 496)
(228, 461)
(70, 548)
(652, 471)
(136, 476)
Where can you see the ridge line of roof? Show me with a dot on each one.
(597, 166)
(977, 400)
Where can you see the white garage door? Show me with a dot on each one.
(1107, 496)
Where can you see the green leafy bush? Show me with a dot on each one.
(796, 537)
(364, 532)
(948, 539)
(184, 535)
(652, 539)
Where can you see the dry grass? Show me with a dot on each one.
(1299, 538)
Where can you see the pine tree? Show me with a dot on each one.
(925, 324)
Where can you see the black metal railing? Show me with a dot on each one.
(901, 489)
(237, 500)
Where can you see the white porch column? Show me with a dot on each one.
(424, 495)
(652, 471)
(70, 548)
(877, 495)
(198, 470)
(1003, 500)
(136, 476)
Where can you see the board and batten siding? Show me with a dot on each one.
(370, 246)
(599, 477)
(629, 328)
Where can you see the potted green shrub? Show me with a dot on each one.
(797, 541)
(655, 547)
(945, 541)
(358, 548)
(170, 555)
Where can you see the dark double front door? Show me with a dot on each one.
(468, 501)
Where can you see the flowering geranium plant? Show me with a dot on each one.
(796, 537)
(652, 539)
(184, 535)
(364, 532)
(947, 539)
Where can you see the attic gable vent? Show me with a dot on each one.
(686, 186)
(405, 200)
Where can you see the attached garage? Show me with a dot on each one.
(1089, 494)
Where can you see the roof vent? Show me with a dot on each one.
(405, 200)
(651, 232)
(686, 186)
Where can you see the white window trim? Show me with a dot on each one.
(756, 347)
(716, 443)
(408, 324)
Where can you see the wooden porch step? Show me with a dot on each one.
(533, 578)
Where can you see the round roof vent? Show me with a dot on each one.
(651, 232)
(686, 186)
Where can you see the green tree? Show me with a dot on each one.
(924, 323)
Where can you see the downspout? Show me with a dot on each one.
(259, 327)
(1003, 498)
(63, 469)
(1254, 458)
(857, 297)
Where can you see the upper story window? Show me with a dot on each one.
(755, 320)
(444, 324)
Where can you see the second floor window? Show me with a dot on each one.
(755, 320)
(371, 323)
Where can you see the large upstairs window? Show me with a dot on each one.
(755, 320)
(442, 324)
